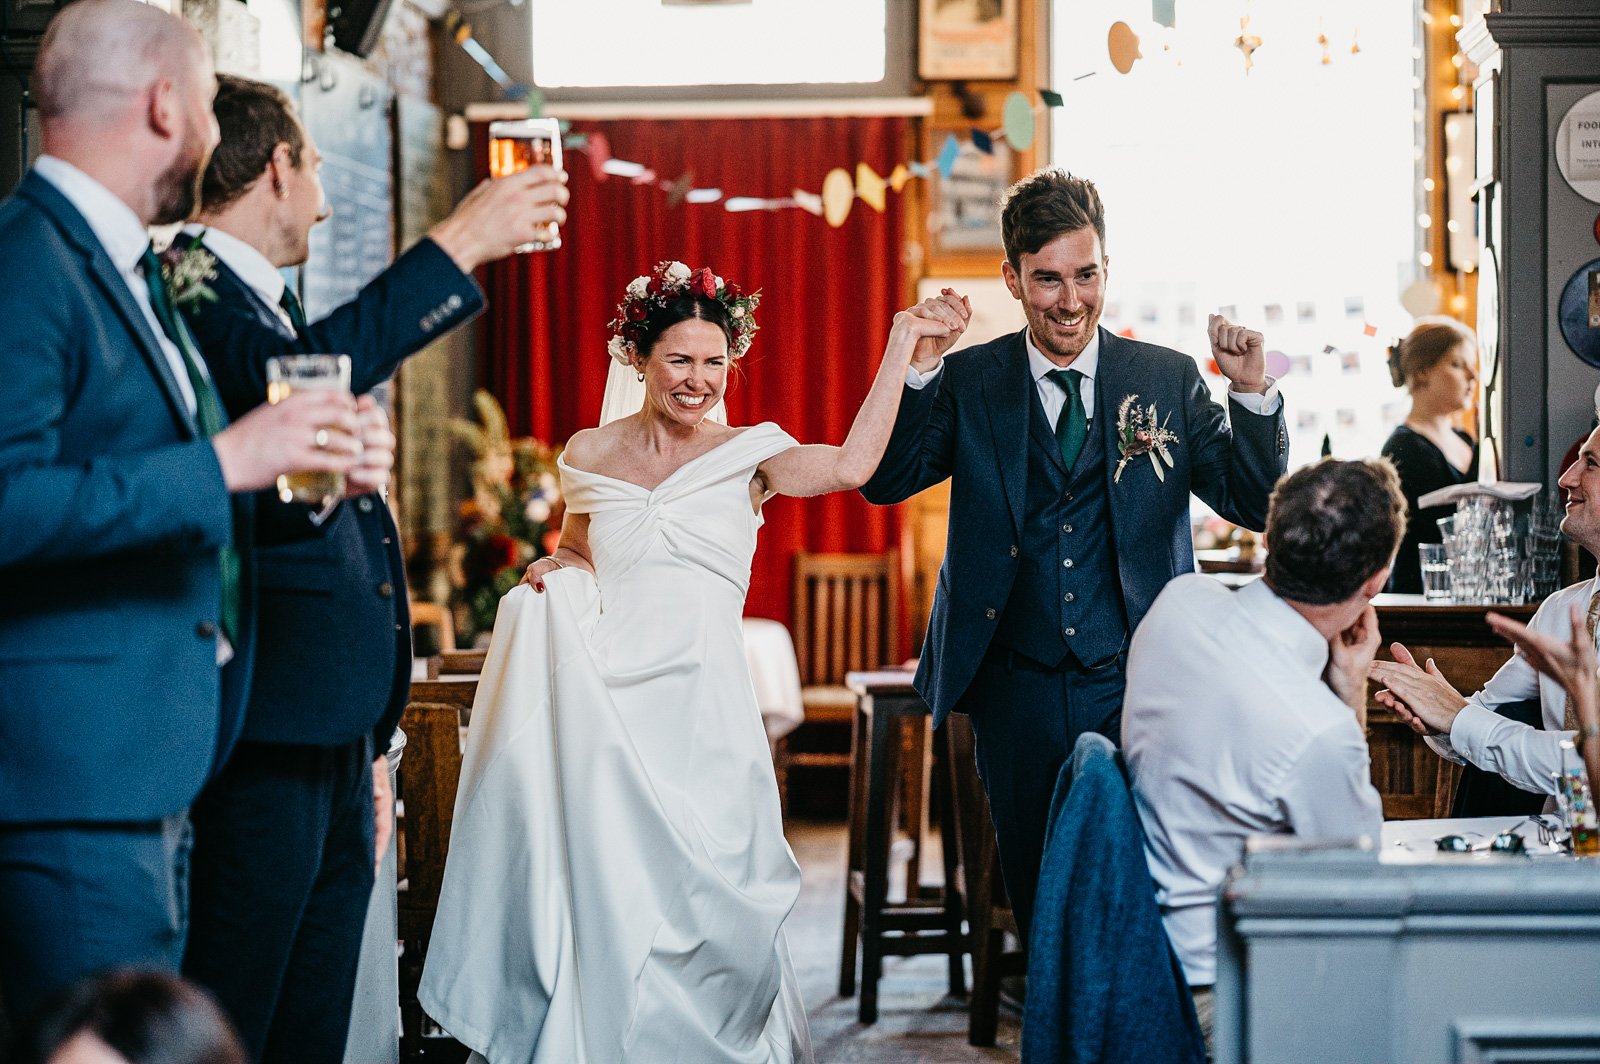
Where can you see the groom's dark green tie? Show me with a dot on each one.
(208, 415)
(291, 306)
(1072, 427)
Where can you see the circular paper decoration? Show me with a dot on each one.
(1277, 364)
(1420, 299)
(1579, 312)
(1578, 147)
(1019, 121)
(1123, 44)
(838, 194)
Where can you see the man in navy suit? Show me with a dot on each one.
(1071, 455)
(125, 561)
(285, 835)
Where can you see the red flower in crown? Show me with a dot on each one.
(704, 283)
(732, 291)
(638, 311)
(655, 285)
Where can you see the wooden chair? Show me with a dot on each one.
(431, 613)
(845, 618)
(456, 663)
(427, 779)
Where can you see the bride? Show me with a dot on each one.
(618, 878)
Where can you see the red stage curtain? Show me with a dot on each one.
(828, 296)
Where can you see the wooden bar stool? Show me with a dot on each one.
(997, 949)
(929, 920)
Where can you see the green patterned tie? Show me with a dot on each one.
(1072, 427)
(291, 306)
(207, 414)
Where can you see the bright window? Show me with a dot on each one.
(600, 43)
(1284, 197)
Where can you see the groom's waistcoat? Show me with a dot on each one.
(1066, 600)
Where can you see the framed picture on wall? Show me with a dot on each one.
(967, 39)
(964, 221)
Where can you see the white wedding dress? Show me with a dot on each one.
(618, 878)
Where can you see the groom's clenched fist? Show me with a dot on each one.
(1241, 354)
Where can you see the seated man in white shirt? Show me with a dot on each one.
(1245, 710)
(1472, 730)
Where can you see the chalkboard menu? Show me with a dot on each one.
(346, 111)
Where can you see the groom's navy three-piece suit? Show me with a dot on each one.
(1047, 569)
(283, 836)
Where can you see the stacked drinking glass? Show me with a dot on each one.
(1500, 552)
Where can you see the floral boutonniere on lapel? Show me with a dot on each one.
(1138, 432)
(186, 269)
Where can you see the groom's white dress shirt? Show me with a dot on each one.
(1229, 732)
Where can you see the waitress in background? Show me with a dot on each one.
(1437, 363)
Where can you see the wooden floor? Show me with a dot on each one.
(918, 1021)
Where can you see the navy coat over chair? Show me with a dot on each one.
(1104, 986)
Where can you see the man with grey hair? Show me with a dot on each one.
(125, 576)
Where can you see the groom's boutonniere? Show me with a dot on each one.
(1139, 433)
(186, 271)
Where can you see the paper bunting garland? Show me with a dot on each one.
(838, 194)
(1123, 44)
(948, 155)
(871, 188)
(1018, 121)
(840, 189)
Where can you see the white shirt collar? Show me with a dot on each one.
(253, 268)
(1086, 363)
(1285, 625)
(118, 229)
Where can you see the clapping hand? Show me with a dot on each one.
(1570, 662)
(1422, 698)
(1241, 354)
(936, 323)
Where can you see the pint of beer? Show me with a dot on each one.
(286, 375)
(515, 146)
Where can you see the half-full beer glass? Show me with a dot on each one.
(514, 147)
(286, 375)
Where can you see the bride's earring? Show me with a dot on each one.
(641, 378)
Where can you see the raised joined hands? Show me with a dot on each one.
(936, 323)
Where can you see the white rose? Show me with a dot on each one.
(618, 349)
(718, 282)
(677, 272)
(737, 312)
(639, 287)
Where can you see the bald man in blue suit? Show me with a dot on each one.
(125, 561)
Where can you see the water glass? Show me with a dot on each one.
(1435, 571)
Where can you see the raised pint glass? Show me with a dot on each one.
(515, 146)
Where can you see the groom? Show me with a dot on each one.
(1071, 454)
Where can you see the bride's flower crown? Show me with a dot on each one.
(670, 281)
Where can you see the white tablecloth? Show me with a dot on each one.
(1407, 840)
(775, 673)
